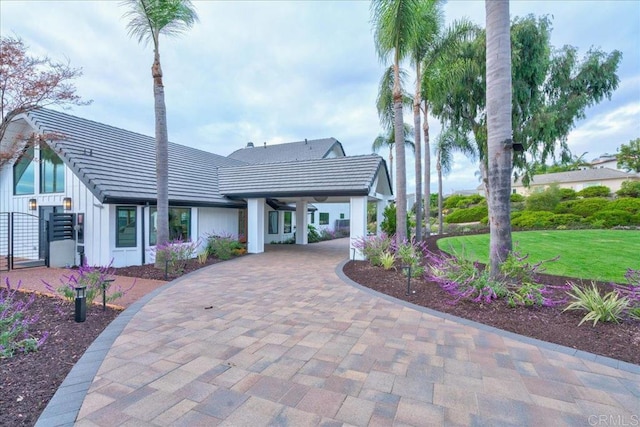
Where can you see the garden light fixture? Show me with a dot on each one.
(81, 303)
(406, 269)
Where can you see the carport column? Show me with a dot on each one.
(381, 204)
(357, 225)
(255, 226)
(301, 223)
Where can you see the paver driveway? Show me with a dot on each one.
(280, 339)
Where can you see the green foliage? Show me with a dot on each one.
(224, 247)
(629, 189)
(374, 247)
(387, 260)
(388, 224)
(532, 219)
(582, 207)
(568, 194)
(14, 324)
(558, 220)
(599, 308)
(174, 255)
(546, 200)
(611, 218)
(409, 255)
(312, 234)
(595, 191)
(515, 198)
(461, 201)
(629, 156)
(472, 214)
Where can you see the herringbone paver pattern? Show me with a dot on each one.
(288, 343)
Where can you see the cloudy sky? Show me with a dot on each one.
(283, 71)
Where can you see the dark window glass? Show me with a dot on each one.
(51, 171)
(287, 222)
(324, 218)
(179, 224)
(273, 222)
(126, 227)
(23, 174)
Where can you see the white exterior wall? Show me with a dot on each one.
(334, 210)
(215, 221)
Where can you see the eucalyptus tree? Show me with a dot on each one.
(499, 132)
(395, 22)
(551, 90)
(148, 19)
(448, 142)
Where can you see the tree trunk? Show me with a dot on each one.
(427, 171)
(401, 170)
(162, 155)
(391, 165)
(418, 154)
(440, 216)
(499, 131)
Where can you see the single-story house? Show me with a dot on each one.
(107, 175)
(576, 180)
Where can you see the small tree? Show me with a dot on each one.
(629, 156)
(28, 83)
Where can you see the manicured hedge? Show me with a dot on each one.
(473, 214)
(611, 218)
(582, 207)
(595, 191)
(625, 204)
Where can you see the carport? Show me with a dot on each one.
(355, 179)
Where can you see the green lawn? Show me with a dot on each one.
(587, 254)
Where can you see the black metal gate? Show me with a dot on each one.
(22, 243)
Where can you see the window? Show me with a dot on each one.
(51, 171)
(179, 224)
(287, 222)
(313, 218)
(273, 222)
(324, 218)
(514, 191)
(341, 216)
(23, 174)
(126, 227)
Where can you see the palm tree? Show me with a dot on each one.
(499, 131)
(447, 143)
(388, 140)
(395, 22)
(149, 19)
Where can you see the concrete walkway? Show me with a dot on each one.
(281, 339)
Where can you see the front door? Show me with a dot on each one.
(45, 212)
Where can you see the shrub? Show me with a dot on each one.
(604, 308)
(374, 247)
(535, 219)
(473, 214)
(312, 234)
(515, 197)
(388, 224)
(631, 291)
(611, 218)
(411, 254)
(582, 207)
(95, 279)
(565, 219)
(174, 255)
(629, 189)
(15, 322)
(626, 204)
(568, 194)
(387, 260)
(595, 191)
(546, 200)
(452, 201)
(224, 246)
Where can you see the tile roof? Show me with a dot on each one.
(341, 176)
(578, 176)
(118, 165)
(292, 151)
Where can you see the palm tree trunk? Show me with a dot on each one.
(440, 215)
(401, 170)
(418, 155)
(427, 171)
(499, 131)
(162, 153)
(391, 165)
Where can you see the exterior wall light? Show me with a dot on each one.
(66, 203)
(32, 204)
(81, 303)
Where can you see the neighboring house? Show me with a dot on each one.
(575, 180)
(606, 160)
(327, 216)
(107, 174)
